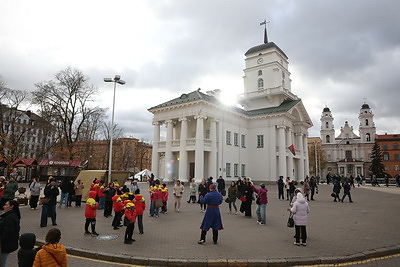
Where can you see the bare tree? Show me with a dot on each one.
(11, 128)
(66, 101)
(117, 133)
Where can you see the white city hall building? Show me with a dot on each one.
(206, 138)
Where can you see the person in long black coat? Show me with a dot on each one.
(9, 229)
(245, 207)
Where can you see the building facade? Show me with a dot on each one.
(23, 135)
(348, 153)
(204, 138)
(389, 145)
(129, 154)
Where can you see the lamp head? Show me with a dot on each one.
(121, 82)
(108, 80)
(117, 77)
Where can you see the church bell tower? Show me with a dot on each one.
(367, 128)
(327, 128)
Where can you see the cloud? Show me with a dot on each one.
(341, 53)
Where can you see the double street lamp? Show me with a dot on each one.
(117, 79)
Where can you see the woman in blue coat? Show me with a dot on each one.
(212, 217)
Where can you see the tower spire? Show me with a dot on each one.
(265, 30)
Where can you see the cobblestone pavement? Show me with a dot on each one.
(338, 232)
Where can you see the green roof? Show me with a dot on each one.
(283, 107)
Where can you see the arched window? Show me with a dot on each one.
(328, 139)
(259, 72)
(260, 84)
(326, 125)
(366, 122)
(368, 137)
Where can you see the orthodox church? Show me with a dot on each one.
(263, 137)
(348, 153)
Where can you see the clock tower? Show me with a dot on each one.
(266, 77)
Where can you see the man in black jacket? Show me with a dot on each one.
(49, 203)
(109, 192)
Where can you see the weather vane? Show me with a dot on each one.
(265, 30)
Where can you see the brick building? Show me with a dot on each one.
(389, 144)
(129, 154)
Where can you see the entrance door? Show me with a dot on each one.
(191, 170)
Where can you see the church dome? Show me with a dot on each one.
(365, 106)
(326, 109)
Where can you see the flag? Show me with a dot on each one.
(291, 148)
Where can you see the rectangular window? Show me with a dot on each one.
(348, 154)
(243, 141)
(397, 167)
(228, 170)
(350, 169)
(396, 157)
(260, 141)
(243, 171)
(385, 156)
(395, 146)
(236, 170)
(228, 137)
(207, 134)
(236, 139)
(385, 146)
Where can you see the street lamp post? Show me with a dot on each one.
(117, 79)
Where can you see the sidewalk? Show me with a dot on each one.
(338, 232)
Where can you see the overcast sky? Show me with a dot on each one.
(341, 53)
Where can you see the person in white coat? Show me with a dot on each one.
(300, 212)
(35, 193)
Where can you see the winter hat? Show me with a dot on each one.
(129, 205)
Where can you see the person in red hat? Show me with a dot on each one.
(212, 217)
(129, 222)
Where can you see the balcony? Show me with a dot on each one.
(190, 145)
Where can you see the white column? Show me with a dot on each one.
(301, 172)
(271, 161)
(155, 157)
(290, 158)
(212, 165)
(305, 161)
(183, 156)
(199, 152)
(168, 152)
(282, 151)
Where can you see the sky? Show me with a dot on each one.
(341, 53)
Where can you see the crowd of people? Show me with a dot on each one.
(127, 206)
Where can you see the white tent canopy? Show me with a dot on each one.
(142, 173)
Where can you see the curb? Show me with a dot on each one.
(126, 259)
